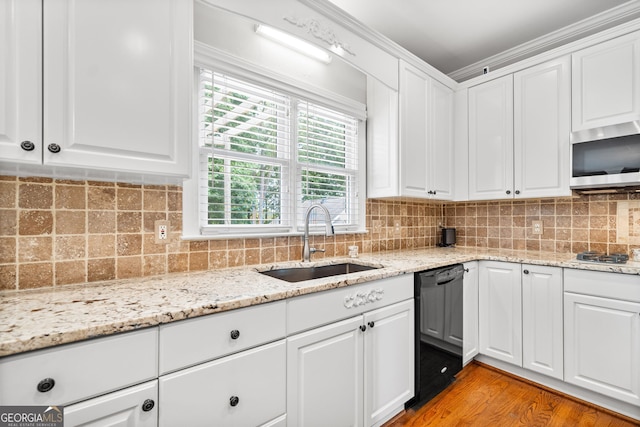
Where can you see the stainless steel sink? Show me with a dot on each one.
(299, 274)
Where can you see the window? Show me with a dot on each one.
(266, 155)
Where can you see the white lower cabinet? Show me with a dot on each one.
(388, 361)
(72, 373)
(244, 389)
(542, 346)
(521, 315)
(500, 296)
(227, 369)
(470, 330)
(602, 333)
(132, 407)
(110, 381)
(353, 372)
(325, 376)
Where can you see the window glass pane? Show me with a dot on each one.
(252, 150)
(330, 190)
(242, 192)
(325, 137)
(327, 154)
(242, 117)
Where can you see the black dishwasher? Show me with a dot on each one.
(438, 330)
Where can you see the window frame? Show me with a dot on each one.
(224, 63)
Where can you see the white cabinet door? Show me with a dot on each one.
(131, 407)
(414, 131)
(244, 389)
(388, 361)
(542, 345)
(117, 85)
(470, 312)
(410, 137)
(325, 375)
(500, 296)
(602, 345)
(606, 83)
(491, 140)
(440, 156)
(542, 126)
(20, 82)
(382, 140)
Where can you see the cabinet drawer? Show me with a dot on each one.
(189, 342)
(317, 309)
(120, 408)
(80, 370)
(244, 389)
(602, 284)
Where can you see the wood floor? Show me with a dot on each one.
(483, 396)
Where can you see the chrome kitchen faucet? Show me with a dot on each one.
(306, 251)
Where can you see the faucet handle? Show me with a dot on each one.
(314, 250)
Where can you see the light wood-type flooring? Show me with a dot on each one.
(483, 396)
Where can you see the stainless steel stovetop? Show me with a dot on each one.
(591, 256)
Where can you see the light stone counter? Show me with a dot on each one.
(35, 319)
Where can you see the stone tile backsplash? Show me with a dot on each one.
(603, 222)
(57, 232)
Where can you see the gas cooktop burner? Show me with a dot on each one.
(602, 257)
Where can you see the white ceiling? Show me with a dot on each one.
(452, 35)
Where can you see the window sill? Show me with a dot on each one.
(201, 237)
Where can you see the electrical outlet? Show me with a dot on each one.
(161, 228)
(537, 227)
(396, 226)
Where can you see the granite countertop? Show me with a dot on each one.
(34, 319)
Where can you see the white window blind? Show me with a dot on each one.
(266, 156)
(328, 162)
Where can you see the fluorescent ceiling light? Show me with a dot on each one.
(294, 43)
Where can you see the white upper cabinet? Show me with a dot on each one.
(117, 85)
(382, 139)
(542, 108)
(606, 83)
(440, 142)
(410, 137)
(96, 89)
(519, 128)
(426, 135)
(491, 140)
(414, 131)
(20, 80)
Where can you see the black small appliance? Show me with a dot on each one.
(448, 237)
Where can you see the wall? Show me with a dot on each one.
(236, 35)
(604, 223)
(57, 232)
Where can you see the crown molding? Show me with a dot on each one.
(604, 20)
(372, 36)
(620, 14)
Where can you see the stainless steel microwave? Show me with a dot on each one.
(606, 163)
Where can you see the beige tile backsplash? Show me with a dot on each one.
(57, 232)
